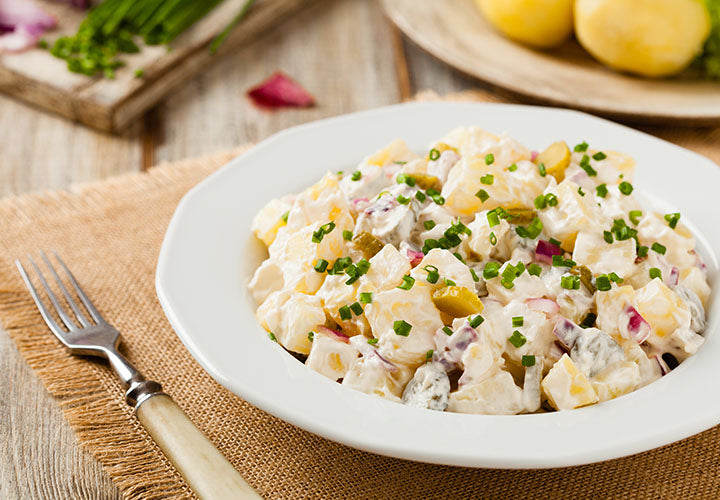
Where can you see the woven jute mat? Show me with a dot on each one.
(110, 234)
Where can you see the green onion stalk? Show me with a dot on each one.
(116, 27)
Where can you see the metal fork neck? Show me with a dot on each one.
(139, 389)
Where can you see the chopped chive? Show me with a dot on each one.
(542, 170)
(356, 175)
(551, 200)
(602, 190)
(534, 269)
(483, 195)
(507, 283)
(429, 244)
(487, 179)
(558, 261)
(491, 270)
(554, 242)
(311, 336)
(433, 274)
(429, 224)
(363, 266)
(512, 168)
(614, 277)
(402, 328)
(585, 165)
(408, 282)
(366, 297)
(449, 282)
(429, 355)
(340, 172)
(476, 321)
(439, 200)
(581, 148)
(528, 360)
(474, 275)
(493, 239)
(517, 321)
(540, 202)
(345, 313)
(625, 188)
(356, 308)
(672, 219)
(459, 257)
(608, 236)
(347, 235)
(634, 216)
(402, 199)
(580, 191)
(658, 248)
(372, 341)
(603, 283)
(489, 159)
(599, 156)
(272, 337)
(420, 196)
(655, 273)
(284, 216)
(448, 331)
(406, 179)
(517, 339)
(434, 154)
(492, 218)
(396, 162)
(570, 282)
(321, 265)
(642, 251)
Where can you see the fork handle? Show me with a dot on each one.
(205, 469)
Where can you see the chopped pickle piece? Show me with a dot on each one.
(457, 301)
(585, 277)
(521, 215)
(556, 159)
(425, 181)
(367, 243)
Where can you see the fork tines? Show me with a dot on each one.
(67, 319)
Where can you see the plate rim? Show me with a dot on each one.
(439, 457)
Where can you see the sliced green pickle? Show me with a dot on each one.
(521, 216)
(425, 181)
(457, 301)
(585, 277)
(367, 243)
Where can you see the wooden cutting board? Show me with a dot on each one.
(43, 80)
(457, 33)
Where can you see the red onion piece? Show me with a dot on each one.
(334, 333)
(386, 364)
(543, 305)
(22, 23)
(556, 351)
(566, 332)
(281, 91)
(545, 250)
(362, 199)
(673, 278)
(636, 327)
(664, 368)
(415, 257)
(534, 155)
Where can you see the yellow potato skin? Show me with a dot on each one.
(540, 23)
(652, 38)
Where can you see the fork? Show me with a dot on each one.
(205, 469)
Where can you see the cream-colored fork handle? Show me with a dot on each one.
(205, 469)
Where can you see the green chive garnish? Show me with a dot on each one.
(608, 236)
(551, 200)
(492, 218)
(489, 159)
(476, 321)
(408, 282)
(517, 339)
(483, 195)
(655, 273)
(512, 168)
(634, 216)
(603, 283)
(474, 275)
(429, 224)
(581, 148)
(372, 341)
(366, 297)
(448, 331)
(642, 251)
(534, 269)
(356, 175)
(672, 219)
(528, 360)
(345, 313)
(321, 265)
(402, 328)
(434, 154)
(491, 270)
(347, 235)
(272, 337)
(311, 336)
(657, 247)
(517, 321)
(540, 202)
(493, 239)
(601, 190)
(625, 188)
(356, 308)
(284, 216)
(420, 196)
(487, 179)
(542, 170)
(599, 156)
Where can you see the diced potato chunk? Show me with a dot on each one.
(601, 257)
(457, 301)
(616, 380)
(290, 316)
(566, 387)
(496, 395)
(266, 223)
(372, 376)
(663, 309)
(556, 159)
(268, 278)
(330, 356)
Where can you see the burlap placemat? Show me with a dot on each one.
(110, 233)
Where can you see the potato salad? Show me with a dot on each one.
(481, 277)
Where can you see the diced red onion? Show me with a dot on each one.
(22, 22)
(566, 332)
(635, 327)
(545, 250)
(386, 364)
(540, 304)
(415, 257)
(673, 277)
(334, 333)
(534, 155)
(363, 199)
(556, 351)
(664, 368)
(281, 91)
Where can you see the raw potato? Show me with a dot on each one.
(648, 37)
(540, 23)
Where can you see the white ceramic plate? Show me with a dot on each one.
(209, 255)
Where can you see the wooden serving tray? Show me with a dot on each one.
(41, 79)
(457, 33)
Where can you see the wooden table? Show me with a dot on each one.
(344, 51)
